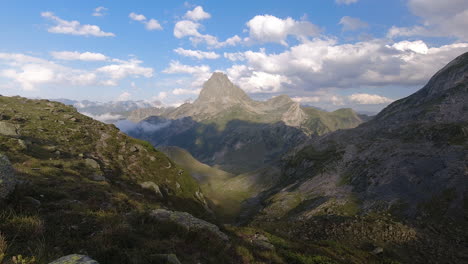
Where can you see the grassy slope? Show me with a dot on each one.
(59, 209)
(226, 202)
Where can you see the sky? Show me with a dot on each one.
(330, 54)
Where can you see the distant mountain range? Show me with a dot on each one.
(224, 127)
(108, 112)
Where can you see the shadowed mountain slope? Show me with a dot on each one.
(407, 166)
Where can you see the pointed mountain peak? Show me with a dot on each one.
(219, 89)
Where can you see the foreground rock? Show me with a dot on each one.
(75, 259)
(167, 259)
(188, 222)
(7, 177)
(8, 129)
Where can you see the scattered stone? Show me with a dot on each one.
(262, 242)
(74, 259)
(98, 178)
(177, 185)
(133, 149)
(263, 245)
(188, 222)
(34, 202)
(8, 129)
(92, 163)
(8, 177)
(22, 144)
(167, 258)
(149, 185)
(51, 148)
(377, 251)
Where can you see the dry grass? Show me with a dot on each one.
(3, 247)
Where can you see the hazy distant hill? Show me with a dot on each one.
(108, 112)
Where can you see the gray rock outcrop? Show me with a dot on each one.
(8, 129)
(74, 259)
(188, 222)
(8, 177)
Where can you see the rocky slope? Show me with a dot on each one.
(398, 181)
(226, 128)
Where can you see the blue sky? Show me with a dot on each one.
(328, 53)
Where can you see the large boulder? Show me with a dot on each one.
(8, 129)
(8, 177)
(74, 259)
(188, 222)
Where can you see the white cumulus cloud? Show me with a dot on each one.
(123, 69)
(180, 91)
(200, 73)
(151, 24)
(234, 56)
(325, 64)
(29, 72)
(438, 19)
(352, 23)
(197, 14)
(364, 98)
(99, 11)
(75, 55)
(268, 28)
(74, 27)
(187, 28)
(197, 53)
(345, 2)
(125, 96)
